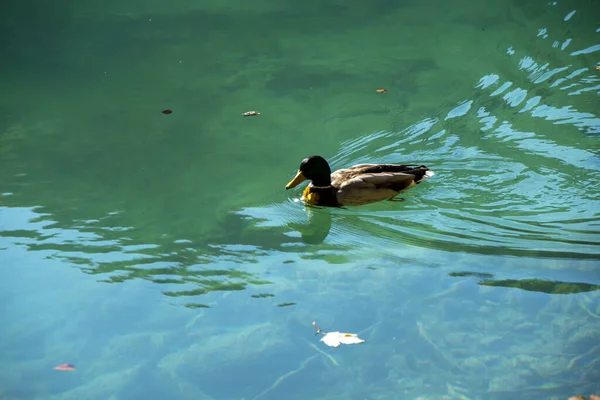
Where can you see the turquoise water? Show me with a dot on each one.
(161, 255)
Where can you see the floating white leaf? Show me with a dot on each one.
(334, 339)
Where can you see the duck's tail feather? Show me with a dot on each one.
(425, 174)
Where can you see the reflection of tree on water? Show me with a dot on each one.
(212, 261)
(543, 286)
(215, 259)
(532, 285)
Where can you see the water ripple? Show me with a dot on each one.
(512, 183)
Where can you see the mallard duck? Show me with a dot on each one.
(356, 185)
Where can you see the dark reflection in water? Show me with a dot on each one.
(532, 285)
(538, 285)
(475, 274)
(316, 229)
(213, 261)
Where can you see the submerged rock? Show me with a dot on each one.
(102, 386)
(506, 383)
(549, 366)
(584, 339)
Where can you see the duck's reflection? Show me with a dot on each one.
(317, 226)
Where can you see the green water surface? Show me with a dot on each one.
(483, 283)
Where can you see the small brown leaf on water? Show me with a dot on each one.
(65, 367)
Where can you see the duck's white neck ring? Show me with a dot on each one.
(322, 187)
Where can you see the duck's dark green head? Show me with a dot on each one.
(313, 168)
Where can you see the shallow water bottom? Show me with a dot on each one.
(431, 333)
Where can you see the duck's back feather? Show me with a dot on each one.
(368, 183)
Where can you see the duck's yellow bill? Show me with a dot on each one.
(298, 179)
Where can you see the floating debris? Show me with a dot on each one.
(167, 111)
(65, 367)
(250, 113)
(334, 339)
(381, 91)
